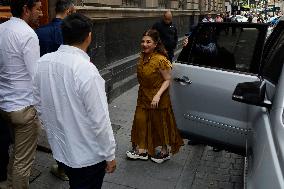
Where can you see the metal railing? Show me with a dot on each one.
(208, 5)
(163, 3)
(78, 2)
(182, 4)
(131, 3)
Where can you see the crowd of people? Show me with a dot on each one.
(251, 17)
(48, 81)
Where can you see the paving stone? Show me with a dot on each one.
(238, 186)
(235, 178)
(226, 185)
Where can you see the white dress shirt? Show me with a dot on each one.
(73, 106)
(19, 51)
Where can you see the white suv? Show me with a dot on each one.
(232, 97)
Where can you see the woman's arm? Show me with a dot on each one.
(167, 77)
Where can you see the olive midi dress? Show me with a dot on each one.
(154, 127)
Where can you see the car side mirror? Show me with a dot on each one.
(251, 93)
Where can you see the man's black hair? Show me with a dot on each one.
(17, 6)
(63, 5)
(75, 29)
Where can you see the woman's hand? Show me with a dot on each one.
(155, 101)
(185, 42)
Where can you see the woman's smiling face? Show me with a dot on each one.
(148, 45)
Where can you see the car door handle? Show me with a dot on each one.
(184, 80)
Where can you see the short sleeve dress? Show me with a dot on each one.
(154, 127)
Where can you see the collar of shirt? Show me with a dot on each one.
(57, 20)
(169, 24)
(75, 50)
(15, 19)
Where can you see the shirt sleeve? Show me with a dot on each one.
(94, 98)
(31, 54)
(36, 94)
(164, 64)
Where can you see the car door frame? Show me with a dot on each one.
(256, 59)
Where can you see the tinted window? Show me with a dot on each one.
(225, 46)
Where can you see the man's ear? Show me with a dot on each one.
(25, 11)
(89, 38)
(66, 12)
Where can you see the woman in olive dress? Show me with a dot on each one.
(154, 124)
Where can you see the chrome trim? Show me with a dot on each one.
(226, 127)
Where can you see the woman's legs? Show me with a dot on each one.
(164, 149)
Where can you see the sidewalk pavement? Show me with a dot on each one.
(194, 167)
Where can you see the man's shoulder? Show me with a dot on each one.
(45, 28)
(17, 31)
(76, 61)
(47, 57)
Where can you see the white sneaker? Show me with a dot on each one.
(132, 154)
(160, 158)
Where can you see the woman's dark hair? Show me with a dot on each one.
(154, 34)
(17, 6)
(76, 28)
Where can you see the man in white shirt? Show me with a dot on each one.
(19, 51)
(73, 105)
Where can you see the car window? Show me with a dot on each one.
(273, 62)
(225, 46)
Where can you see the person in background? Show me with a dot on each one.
(50, 38)
(154, 124)
(168, 33)
(250, 17)
(208, 18)
(50, 35)
(19, 51)
(254, 18)
(227, 17)
(70, 94)
(218, 18)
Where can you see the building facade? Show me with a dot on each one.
(118, 28)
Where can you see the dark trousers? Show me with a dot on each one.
(87, 177)
(5, 140)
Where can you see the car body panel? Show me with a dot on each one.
(209, 114)
(265, 152)
(202, 115)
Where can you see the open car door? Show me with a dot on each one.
(217, 58)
